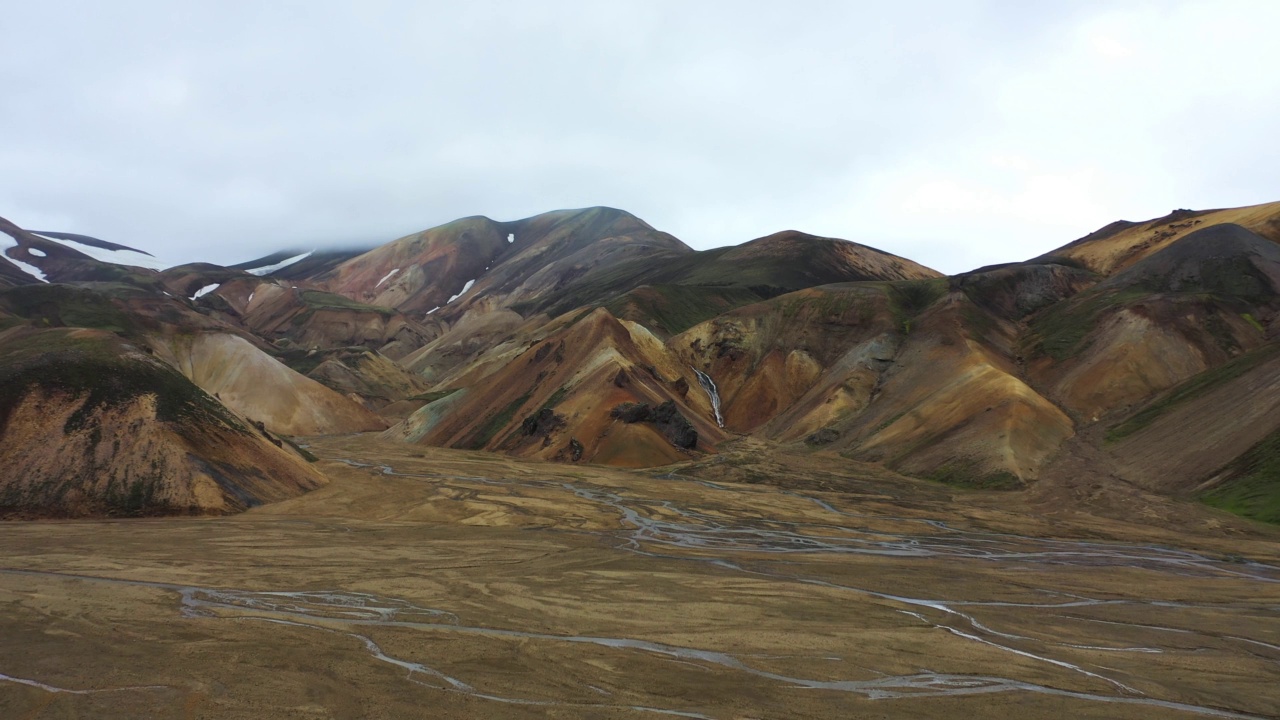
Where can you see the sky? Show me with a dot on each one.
(958, 133)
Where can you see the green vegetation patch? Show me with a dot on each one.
(52, 305)
(1253, 489)
(832, 303)
(303, 361)
(96, 368)
(1065, 261)
(965, 474)
(434, 395)
(495, 424)
(319, 300)
(579, 317)
(1233, 276)
(306, 454)
(676, 308)
(979, 320)
(909, 298)
(555, 399)
(1191, 389)
(1059, 330)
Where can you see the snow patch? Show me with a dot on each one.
(205, 290)
(387, 277)
(6, 244)
(511, 237)
(268, 269)
(433, 309)
(462, 292)
(37, 252)
(250, 300)
(30, 269)
(114, 257)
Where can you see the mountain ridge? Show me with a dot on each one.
(587, 335)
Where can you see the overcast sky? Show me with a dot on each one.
(955, 133)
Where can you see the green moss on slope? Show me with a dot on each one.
(100, 369)
(495, 424)
(319, 300)
(52, 305)
(1253, 488)
(672, 309)
(434, 395)
(1191, 389)
(965, 474)
(909, 298)
(1059, 330)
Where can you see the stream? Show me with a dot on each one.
(713, 393)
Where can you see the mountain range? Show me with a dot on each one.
(1141, 357)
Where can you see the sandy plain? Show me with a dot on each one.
(443, 584)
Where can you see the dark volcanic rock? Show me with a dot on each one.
(681, 386)
(632, 412)
(544, 422)
(825, 436)
(674, 426)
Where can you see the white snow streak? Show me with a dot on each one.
(206, 290)
(114, 257)
(6, 244)
(387, 277)
(464, 290)
(267, 269)
(30, 269)
(37, 252)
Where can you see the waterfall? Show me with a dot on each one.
(710, 386)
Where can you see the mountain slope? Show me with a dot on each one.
(557, 398)
(1121, 244)
(262, 388)
(64, 257)
(92, 425)
(218, 357)
(507, 262)
(1192, 306)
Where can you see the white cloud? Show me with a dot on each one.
(957, 133)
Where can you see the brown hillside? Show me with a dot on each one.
(580, 374)
(420, 272)
(292, 316)
(262, 388)
(91, 425)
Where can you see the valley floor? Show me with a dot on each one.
(433, 583)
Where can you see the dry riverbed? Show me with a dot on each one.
(430, 583)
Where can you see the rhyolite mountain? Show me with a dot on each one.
(1144, 354)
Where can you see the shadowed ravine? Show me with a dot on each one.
(1095, 649)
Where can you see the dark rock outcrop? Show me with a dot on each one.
(674, 426)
